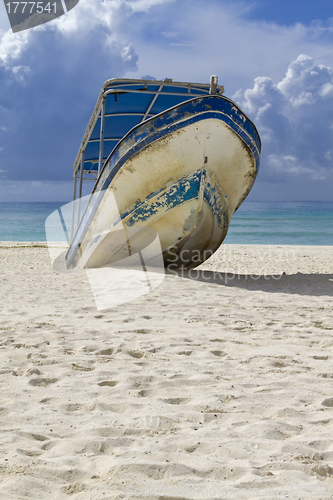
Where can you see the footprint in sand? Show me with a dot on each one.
(135, 354)
(33, 371)
(39, 437)
(82, 368)
(106, 352)
(29, 453)
(328, 402)
(323, 470)
(192, 448)
(143, 393)
(219, 353)
(42, 381)
(108, 383)
(49, 445)
(176, 401)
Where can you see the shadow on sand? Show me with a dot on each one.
(301, 284)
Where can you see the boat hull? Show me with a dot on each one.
(182, 174)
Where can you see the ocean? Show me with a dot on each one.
(261, 223)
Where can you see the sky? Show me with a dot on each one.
(275, 60)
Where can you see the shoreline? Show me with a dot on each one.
(30, 243)
(242, 258)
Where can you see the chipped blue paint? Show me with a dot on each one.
(186, 189)
(213, 197)
(183, 190)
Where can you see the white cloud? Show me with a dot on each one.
(291, 166)
(108, 16)
(217, 37)
(304, 82)
(294, 118)
(326, 89)
(12, 46)
(50, 77)
(144, 5)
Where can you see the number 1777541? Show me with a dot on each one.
(22, 7)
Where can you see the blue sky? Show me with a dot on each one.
(274, 58)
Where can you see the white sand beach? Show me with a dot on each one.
(218, 384)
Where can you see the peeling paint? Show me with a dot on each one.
(174, 195)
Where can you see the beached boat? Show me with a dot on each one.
(168, 157)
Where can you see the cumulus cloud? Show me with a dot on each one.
(50, 78)
(192, 39)
(143, 5)
(295, 120)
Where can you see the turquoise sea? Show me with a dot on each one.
(275, 223)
